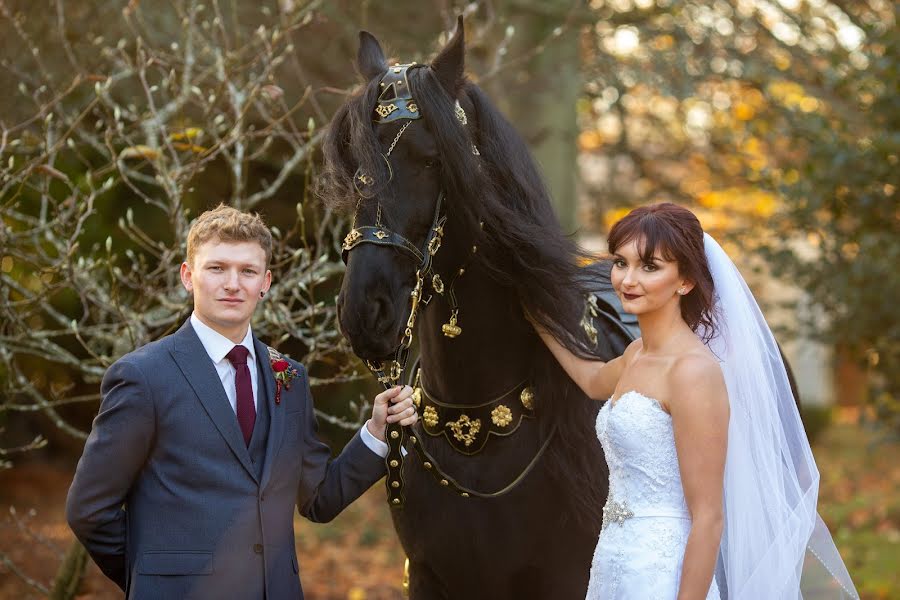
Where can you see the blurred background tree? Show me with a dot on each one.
(776, 120)
(123, 145)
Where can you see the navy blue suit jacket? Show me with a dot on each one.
(166, 499)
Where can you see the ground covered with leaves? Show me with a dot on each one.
(357, 557)
(859, 499)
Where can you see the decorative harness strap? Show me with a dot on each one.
(526, 398)
(381, 236)
(467, 427)
(451, 484)
(504, 423)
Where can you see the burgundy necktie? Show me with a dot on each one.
(246, 411)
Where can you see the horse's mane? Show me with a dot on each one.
(522, 246)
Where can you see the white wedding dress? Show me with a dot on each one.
(645, 521)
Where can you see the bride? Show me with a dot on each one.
(712, 483)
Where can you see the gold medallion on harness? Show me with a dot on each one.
(384, 111)
(350, 238)
(501, 416)
(437, 284)
(434, 245)
(527, 398)
(465, 429)
(430, 416)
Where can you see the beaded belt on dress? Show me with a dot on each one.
(619, 512)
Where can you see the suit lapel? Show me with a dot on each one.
(200, 372)
(276, 412)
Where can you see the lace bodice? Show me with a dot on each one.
(646, 523)
(637, 438)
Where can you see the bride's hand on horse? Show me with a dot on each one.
(392, 406)
(597, 379)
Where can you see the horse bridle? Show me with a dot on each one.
(378, 234)
(395, 102)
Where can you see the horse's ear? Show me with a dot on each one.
(448, 65)
(370, 59)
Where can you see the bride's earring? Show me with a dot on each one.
(681, 291)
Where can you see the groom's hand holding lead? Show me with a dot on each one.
(391, 406)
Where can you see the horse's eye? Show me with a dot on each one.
(431, 163)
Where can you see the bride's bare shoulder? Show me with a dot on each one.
(696, 378)
(633, 347)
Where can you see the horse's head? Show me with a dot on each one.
(382, 144)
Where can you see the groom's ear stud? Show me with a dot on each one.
(262, 294)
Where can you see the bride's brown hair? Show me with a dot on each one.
(676, 233)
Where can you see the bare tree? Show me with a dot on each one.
(121, 143)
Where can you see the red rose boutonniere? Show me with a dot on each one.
(283, 371)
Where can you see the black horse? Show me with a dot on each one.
(420, 153)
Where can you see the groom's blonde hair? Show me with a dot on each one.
(227, 224)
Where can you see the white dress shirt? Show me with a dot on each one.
(217, 346)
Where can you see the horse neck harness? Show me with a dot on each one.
(467, 427)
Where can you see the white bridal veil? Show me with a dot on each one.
(774, 545)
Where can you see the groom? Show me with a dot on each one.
(206, 440)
